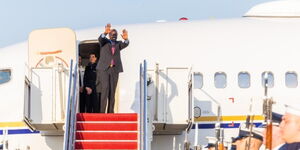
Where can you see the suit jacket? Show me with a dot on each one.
(106, 55)
(89, 79)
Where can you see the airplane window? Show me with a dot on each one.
(220, 80)
(5, 75)
(291, 80)
(244, 80)
(198, 80)
(270, 79)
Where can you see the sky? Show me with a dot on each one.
(20, 17)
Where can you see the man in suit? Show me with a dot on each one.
(109, 66)
(91, 101)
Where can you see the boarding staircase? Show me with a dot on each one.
(118, 131)
(107, 131)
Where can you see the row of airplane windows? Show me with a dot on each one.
(220, 80)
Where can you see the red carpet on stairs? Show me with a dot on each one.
(107, 131)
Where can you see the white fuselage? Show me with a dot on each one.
(230, 46)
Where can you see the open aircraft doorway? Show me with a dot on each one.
(87, 47)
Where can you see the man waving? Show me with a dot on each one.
(109, 66)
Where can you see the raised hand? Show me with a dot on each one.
(107, 28)
(125, 34)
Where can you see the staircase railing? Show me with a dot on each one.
(69, 137)
(143, 107)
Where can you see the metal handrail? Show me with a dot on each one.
(67, 123)
(143, 106)
(70, 127)
(73, 111)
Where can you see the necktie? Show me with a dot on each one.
(113, 49)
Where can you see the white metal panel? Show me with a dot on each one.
(161, 102)
(42, 96)
(61, 95)
(157, 92)
(35, 142)
(177, 102)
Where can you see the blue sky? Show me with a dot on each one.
(20, 17)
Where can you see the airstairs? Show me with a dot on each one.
(130, 131)
(107, 131)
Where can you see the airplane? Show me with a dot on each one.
(200, 75)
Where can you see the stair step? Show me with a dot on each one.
(106, 145)
(106, 135)
(107, 126)
(107, 117)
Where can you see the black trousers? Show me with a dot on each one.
(82, 105)
(92, 102)
(108, 80)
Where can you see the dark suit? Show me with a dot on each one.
(107, 76)
(92, 101)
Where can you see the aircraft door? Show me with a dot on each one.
(50, 52)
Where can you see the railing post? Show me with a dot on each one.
(141, 107)
(145, 106)
(73, 109)
(67, 123)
